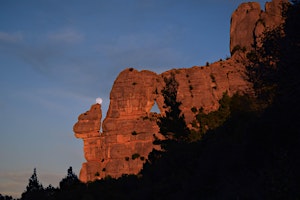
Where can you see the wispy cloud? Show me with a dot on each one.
(67, 36)
(13, 183)
(38, 55)
(143, 50)
(47, 54)
(10, 37)
(54, 99)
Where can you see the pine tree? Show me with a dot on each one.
(69, 181)
(34, 184)
(172, 125)
(34, 189)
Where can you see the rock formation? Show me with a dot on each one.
(129, 127)
(248, 22)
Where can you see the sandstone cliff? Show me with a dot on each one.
(129, 127)
(248, 22)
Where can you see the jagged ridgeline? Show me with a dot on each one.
(130, 128)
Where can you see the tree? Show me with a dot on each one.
(278, 127)
(34, 189)
(209, 121)
(34, 184)
(262, 70)
(69, 181)
(270, 62)
(172, 125)
(5, 197)
(50, 192)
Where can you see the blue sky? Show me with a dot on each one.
(57, 57)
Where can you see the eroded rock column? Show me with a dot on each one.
(87, 128)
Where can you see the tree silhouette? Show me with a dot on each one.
(172, 125)
(209, 121)
(34, 189)
(5, 197)
(69, 181)
(34, 184)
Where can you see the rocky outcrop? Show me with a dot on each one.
(248, 22)
(129, 128)
(204, 86)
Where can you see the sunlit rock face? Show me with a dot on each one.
(129, 127)
(89, 123)
(87, 128)
(248, 22)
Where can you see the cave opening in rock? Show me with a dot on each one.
(155, 108)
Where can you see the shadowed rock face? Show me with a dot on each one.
(129, 127)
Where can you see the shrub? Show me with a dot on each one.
(194, 109)
(144, 118)
(252, 56)
(108, 177)
(134, 133)
(238, 48)
(135, 156)
(213, 79)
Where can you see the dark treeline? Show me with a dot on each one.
(248, 149)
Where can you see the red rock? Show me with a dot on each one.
(129, 126)
(248, 22)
